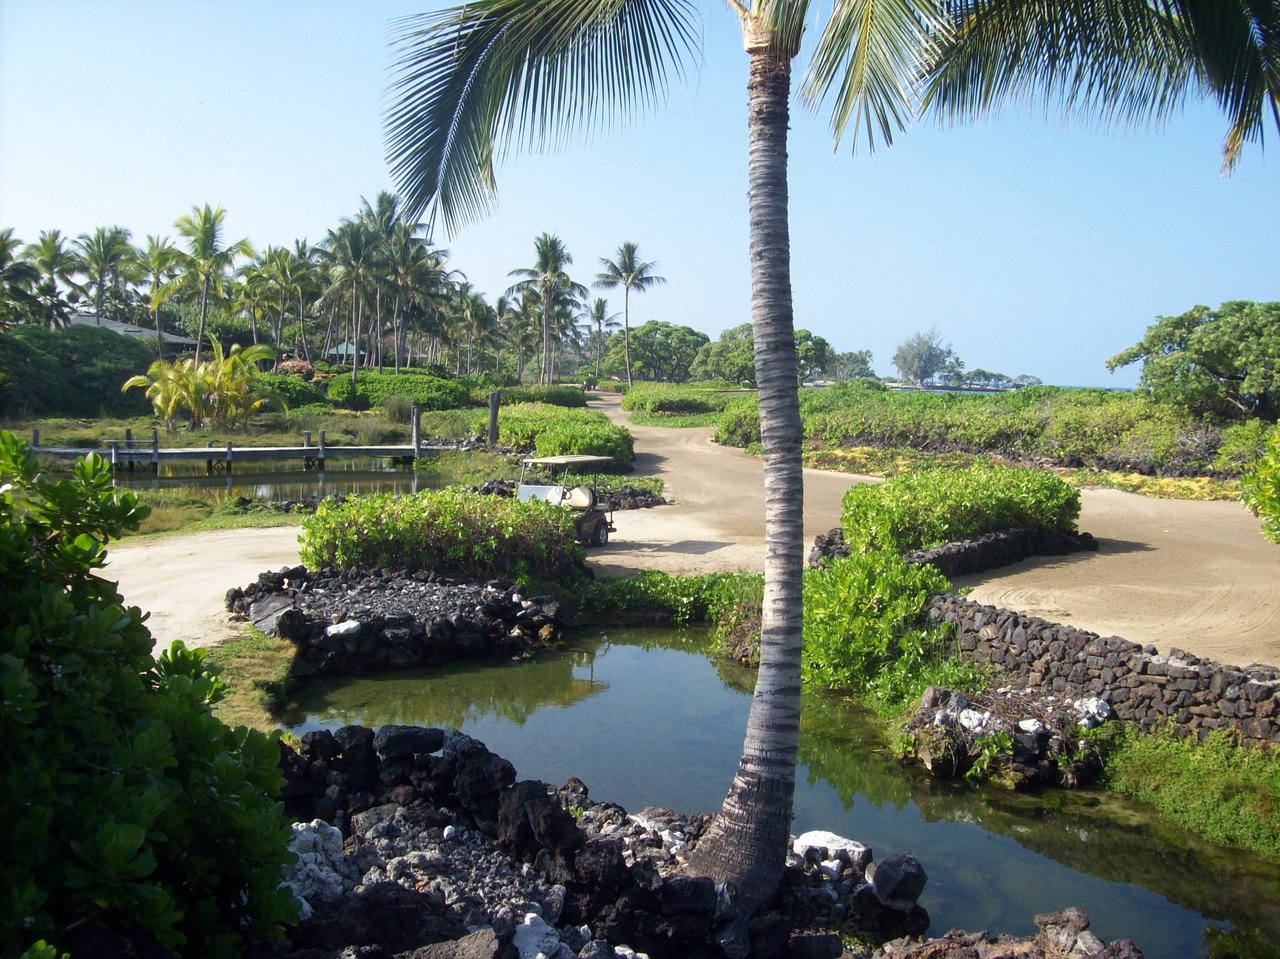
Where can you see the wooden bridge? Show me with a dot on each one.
(130, 454)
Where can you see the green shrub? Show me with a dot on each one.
(670, 399)
(1243, 446)
(130, 809)
(397, 409)
(1261, 488)
(932, 507)
(75, 371)
(709, 598)
(457, 534)
(420, 389)
(569, 396)
(739, 424)
(556, 431)
(863, 629)
(292, 391)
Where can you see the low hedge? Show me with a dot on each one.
(555, 431)
(670, 399)
(936, 506)
(567, 396)
(421, 389)
(454, 533)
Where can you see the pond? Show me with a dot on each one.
(645, 718)
(277, 482)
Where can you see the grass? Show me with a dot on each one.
(255, 669)
(677, 420)
(1157, 487)
(193, 510)
(1219, 790)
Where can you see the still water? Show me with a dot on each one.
(645, 718)
(268, 481)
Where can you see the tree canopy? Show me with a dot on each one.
(922, 356)
(659, 351)
(1223, 362)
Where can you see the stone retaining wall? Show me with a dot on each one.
(1140, 685)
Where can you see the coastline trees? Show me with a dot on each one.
(550, 281)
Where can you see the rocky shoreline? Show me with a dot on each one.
(417, 843)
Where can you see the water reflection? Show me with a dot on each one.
(284, 481)
(645, 718)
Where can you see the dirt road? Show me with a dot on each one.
(1198, 576)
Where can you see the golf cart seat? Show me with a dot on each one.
(580, 497)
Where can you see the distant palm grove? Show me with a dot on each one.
(375, 293)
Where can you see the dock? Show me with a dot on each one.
(129, 454)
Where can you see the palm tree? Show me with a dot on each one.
(548, 277)
(17, 279)
(204, 264)
(159, 260)
(631, 273)
(1132, 59)
(55, 262)
(602, 319)
(352, 258)
(105, 257)
(495, 70)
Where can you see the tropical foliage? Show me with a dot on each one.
(555, 431)
(224, 391)
(465, 535)
(131, 811)
(1261, 488)
(1220, 362)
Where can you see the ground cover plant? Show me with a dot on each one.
(133, 814)
(1261, 488)
(932, 507)
(464, 535)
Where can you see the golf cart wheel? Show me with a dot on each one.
(602, 534)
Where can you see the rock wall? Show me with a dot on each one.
(1140, 685)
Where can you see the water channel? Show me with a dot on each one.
(645, 718)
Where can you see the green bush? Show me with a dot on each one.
(709, 598)
(569, 396)
(292, 391)
(1243, 446)
(420, 389)
(75, 371)
(739, 424)
(397, 409)
(931, 507)
(458, 534)
(670, 399)
(130, 809)
(556, 431)
(1261, 488)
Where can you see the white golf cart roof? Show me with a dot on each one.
(573, 459)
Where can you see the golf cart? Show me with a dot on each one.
(592, 521)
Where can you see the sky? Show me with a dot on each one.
(1034, 246)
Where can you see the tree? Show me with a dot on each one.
(55, 263)
(922, 356)
(547, 278)
(474, 75)
(203, 267)
(159, 262)
(17, 279)
(852, 366)
(661, 352)
(1224, 361)
(631, 273)
(1134, 60)
(732, 357)
(105, 258)
(600, 317)
(813, 354)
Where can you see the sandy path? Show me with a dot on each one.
(1198, 576)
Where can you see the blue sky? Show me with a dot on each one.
(1034, 246)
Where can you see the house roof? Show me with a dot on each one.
(128, 329)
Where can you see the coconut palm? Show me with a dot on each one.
(1129, 59)
(18, 278)
(107, 260)
(204, 265)
(495, 69)
(351, 252)
(631, 273)
(159, 262)
(55, 262)
(549, 278)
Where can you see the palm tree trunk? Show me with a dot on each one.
(747, 841)
(204, 312)
(626, 324)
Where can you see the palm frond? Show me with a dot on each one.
(473, 81)
(870, 54)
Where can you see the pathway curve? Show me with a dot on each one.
(1198, 576)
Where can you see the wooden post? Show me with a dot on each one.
(128, 446)
(113, 453)
(320, 458)
(495, 400)
(155, 451)
(35, 439)
(306, 439)
(228, 457)
(415, 415)
(208, 464)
